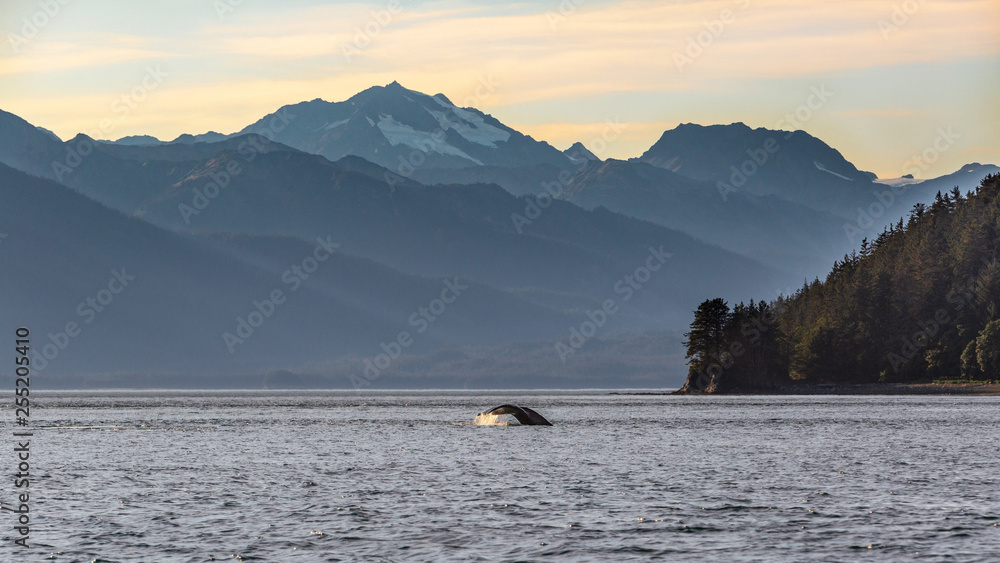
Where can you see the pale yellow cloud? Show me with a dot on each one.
(642, 46)
(316, 30)
(285, 47)
(231, 72)
(629, 45)
(889, 111)
(44, 57)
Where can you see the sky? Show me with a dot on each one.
(895, 85)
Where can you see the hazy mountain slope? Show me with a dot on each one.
(127, 177)
(138, 140)
(28, 148)
(789, 236)
(479, 314)
(180, 152)
(793, 165)
(571, 260)
(580, 154)
(792, 237)
(171, 316)
(186, 138)
(568, 255)
(62, 249)
(966, 178)
(519, 180)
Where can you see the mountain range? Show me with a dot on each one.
(406, 195)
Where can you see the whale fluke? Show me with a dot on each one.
(524, 415)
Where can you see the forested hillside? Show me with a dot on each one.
(921, 302)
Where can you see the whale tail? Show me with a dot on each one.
(524, 415)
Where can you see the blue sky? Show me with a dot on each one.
(896, 73)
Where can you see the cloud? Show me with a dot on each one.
(594, 49)
(631, 45)
(889, 112)
(227, 73)
(44, 57)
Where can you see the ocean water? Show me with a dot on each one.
(400, 476)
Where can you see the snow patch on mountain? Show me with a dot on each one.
(401, 134)
(473, 127)
(335, 124)
(480, 133)
(907, 180)
(819, 166)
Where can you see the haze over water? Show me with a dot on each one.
(328, 476)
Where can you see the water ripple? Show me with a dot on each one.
(329, 476)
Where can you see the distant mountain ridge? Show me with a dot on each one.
(418, 191)
(428, 139)
(181, 294)
(427, 231)
(790, 164)
(553, 269)
(186, 138)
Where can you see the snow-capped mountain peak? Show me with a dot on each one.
(402, 129)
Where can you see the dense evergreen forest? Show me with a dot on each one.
(919, 303)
